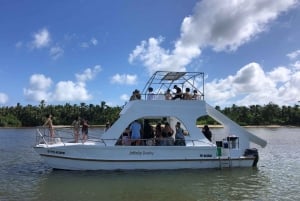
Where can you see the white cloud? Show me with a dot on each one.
(124, 79)
(88, 74)
(280, 74)
(296, 65)
(70, 91)
(41, 39)
(94, 41)
(39, 87)
(124, 97)
(251, 85)
(3, 98)
(294, 55)
(222, 25)
(56, 52)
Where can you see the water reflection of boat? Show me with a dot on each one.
(108, 152)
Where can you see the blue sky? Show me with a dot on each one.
(75, 51)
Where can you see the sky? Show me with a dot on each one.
(89, 51)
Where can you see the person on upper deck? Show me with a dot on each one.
(168, 95)
(187, 95)
(195, 95)
(178, 93)
(150, 95)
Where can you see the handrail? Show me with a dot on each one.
(65, 135)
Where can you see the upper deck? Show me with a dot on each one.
(161, 81)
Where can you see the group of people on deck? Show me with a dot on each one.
(76, 124)
(137, 135)
(187, 95)
(83, 123)
(178, 94)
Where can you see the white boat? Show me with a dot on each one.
(106, 152)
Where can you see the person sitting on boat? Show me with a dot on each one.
(168, 95)
(179, 137)
(195, 95)
(167, 134)
(178, 93)
(150, 95)
(126, 137)
(187, 95)
(135, 128)
(207, 132)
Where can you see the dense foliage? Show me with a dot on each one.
(62, 114)
(99, 114)
(270, 114)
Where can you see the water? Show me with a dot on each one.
(24, 176)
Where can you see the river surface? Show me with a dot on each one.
(24, 176)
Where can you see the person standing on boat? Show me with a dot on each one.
(178, 93)
(167, 134)
(150, 95)
(49, 123)
(76, 128)
(207, 132)
(107, 126)
(179, 137)
(135, 129)
(148, 133)
(85, 130)
(158, 134)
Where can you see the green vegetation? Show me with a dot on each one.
(29, 115)
(270, 114)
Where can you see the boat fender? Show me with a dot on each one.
(252, 152)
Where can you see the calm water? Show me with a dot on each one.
(24, 176)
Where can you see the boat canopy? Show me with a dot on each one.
(161, 81)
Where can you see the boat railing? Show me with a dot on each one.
(61, 135)
(66, 135)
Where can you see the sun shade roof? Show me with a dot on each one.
(173, 75)
(160, 81)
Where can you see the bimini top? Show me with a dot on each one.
(161, 81)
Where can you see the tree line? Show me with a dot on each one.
(99, 114)
(29, 116)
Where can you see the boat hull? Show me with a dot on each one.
(131, 158)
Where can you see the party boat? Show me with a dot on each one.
(229, 149)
